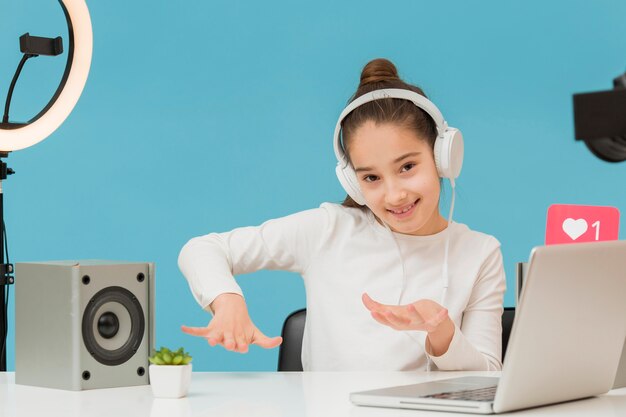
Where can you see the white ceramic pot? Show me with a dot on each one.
(170, 381)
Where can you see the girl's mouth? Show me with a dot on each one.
(405, 211)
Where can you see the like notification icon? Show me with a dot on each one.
(575, 224)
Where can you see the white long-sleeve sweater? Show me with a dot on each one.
(343, 252)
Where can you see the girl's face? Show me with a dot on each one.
(398, 178)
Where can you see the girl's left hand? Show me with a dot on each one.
(425, 315)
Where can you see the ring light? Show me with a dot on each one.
(19, 136)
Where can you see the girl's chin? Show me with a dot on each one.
(416, 228)
(409, 226)
(405, 230)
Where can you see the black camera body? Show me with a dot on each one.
(600, 121)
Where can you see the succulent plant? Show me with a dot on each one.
(169, 357)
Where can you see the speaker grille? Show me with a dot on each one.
(121, 305)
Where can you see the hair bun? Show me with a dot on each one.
(378, 70)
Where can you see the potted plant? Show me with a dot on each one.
(170, 373)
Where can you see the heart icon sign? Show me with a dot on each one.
(575, 228)
(568, 223)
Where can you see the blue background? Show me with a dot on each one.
(205, 116)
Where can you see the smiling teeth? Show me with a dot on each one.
(403, 211)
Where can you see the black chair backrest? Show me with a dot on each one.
(290, 351)
(507, 323)
(289, 354)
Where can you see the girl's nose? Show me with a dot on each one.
(396, 193)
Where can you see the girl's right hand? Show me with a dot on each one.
(232, 327)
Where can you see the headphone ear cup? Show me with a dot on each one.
(347, 179)
(449, 150)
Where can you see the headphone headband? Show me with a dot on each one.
(417, 99)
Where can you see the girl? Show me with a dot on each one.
(438, 285)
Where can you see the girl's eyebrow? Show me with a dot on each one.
(395, 161)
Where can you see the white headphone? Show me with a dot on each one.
(448, 145)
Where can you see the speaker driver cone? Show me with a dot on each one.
(113, 325)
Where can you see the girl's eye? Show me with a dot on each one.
(408, 166)
(370, 178)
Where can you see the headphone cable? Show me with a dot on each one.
(446, 278)
(445, 274)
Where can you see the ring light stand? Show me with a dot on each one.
(16, 136)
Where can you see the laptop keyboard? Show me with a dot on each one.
(477, 394)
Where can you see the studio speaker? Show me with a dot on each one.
(83, 324)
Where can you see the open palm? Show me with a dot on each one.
(423, 315)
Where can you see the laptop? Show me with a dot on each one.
(620, 377)
(565, 344)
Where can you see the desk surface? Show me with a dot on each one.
(259, 394)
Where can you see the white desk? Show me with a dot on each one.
(311, 394)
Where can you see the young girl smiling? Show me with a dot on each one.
(438, 285)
